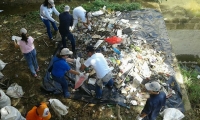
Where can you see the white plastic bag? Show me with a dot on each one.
(2, 64)
(4, 99)
(1, 75)
(58, 107)
(11, 113)
(172, 114)
(15, 91)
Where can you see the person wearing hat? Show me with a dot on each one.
(39, 112)
(60, 67)
(66, 20)
(28, 49)
(154, 103)
(80, 13)
(100, 65)
(46, 10)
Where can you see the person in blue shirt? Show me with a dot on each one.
(153, 104)
(60, 67)
(66, 20)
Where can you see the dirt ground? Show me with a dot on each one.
(16, 71)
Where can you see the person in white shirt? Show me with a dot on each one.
(46, 10)
(100, 65)
(85, 17)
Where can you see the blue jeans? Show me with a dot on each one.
(71, 38)
(63, 82)
(31, 61)
(99, 90)
(47, 24)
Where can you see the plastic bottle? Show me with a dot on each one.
(116, 51)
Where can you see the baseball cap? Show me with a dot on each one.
(153, 86)
(66, 51)
(23, 30)
(67, 8)
(43, 111)
(90, 48)
(51, 2)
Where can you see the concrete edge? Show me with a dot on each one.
(179, 79)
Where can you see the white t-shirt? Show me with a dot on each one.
(46, 13)
(99, 63)
(79, 12)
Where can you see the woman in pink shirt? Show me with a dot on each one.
(28, 49)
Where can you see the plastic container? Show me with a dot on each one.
(116, 51)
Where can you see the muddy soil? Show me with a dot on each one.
(16, 71)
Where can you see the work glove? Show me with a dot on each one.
(89, 27)
(139, 118)
(56, 22)
(81, 74)
(51, 100)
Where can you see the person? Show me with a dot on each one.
(60, 66)
(80, 13)
(28, 49)
(39, 112)
(66, 20)
(100, 65)
(153, 104)
(46, 10)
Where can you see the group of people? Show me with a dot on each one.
(67, 23)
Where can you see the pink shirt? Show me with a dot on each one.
(26, 47)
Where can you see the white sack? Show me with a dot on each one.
(172, 114)
(97, 13)
(2, 64)
(1, 75)
(15, 91)
(58, 107)
(11, 113)
(4, 99)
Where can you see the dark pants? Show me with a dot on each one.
(71, 38)
(99, 89)
(63, 82)
(47, 24)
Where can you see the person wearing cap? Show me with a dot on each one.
(66, 20)
(154, 103)
(80, 13)
(39, 112)
(60, 67)
(46, 10)
(28, 49)
(100, 65)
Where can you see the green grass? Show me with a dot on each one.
(98, 4)
(192, 83)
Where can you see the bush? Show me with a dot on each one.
(98, 4)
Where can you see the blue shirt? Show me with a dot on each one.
(60, 66)
(154, 104)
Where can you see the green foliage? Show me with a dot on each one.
(98, 4)
(192, 83)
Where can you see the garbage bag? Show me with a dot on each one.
(80, 80)
(172, 114)
(11, 113)
(1, 75)
(4, 99)
(58, 107)
(2, 64)
(15, 91)
(113, 40)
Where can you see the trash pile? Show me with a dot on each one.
(137, 48)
